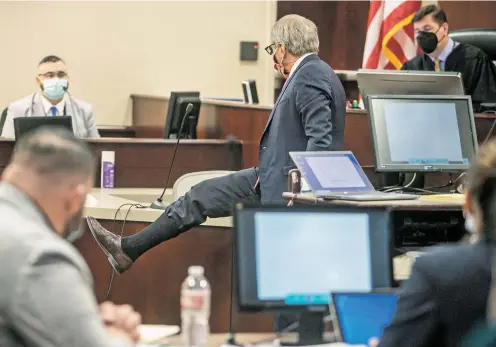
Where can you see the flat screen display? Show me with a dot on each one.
(362, 316)
(423, 134)
(289, 258)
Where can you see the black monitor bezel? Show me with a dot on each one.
(280, 307)
(43, 121)
(171, 109)
(378, 166)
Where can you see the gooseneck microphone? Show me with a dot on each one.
(158, 204)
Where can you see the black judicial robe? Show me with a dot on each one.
(478, 71)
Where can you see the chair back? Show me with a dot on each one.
(184, 183)
(485, 39)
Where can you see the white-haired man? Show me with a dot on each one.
(308, 116)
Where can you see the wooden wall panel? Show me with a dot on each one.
(343, 24)
(145, 163)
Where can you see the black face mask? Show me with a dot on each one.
(427, 41)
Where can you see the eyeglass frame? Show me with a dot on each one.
(270, 49)
(58, 74)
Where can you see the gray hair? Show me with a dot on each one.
(54, 152)
(298, 34)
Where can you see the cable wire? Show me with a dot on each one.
(131, 206)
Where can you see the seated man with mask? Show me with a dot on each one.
(52, 100)
(441, 53)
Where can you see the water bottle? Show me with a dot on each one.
(195, 308)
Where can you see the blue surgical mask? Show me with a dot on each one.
(54, 89)
(470, 223)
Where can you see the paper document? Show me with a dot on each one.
(156, 333)
(453, 197)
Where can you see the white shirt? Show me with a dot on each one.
(47, 105)
(298, 62)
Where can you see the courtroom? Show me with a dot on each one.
(248, 173)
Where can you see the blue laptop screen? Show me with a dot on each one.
(332, 172)
(364, 315)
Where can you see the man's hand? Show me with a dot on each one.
(373, 342)
(121, 319)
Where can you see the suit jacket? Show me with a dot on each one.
(309, 115)
(81, 112)
(445, 295)
(46, 296)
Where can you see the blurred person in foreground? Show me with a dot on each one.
(448, 289)
(46, 296)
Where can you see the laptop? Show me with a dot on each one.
(362, 316)
(23, 125)
(339, 176)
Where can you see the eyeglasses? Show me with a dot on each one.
(58, 74)
(271, 49)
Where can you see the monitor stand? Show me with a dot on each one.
(310, 330)
(390, 179)
(418, 182)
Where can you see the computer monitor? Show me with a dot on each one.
(422, 133)
(362, 316)
(408, 83)
(23, 125)
(289, 259)
(178, 101)
(250, 92)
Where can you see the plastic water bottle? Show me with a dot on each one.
(195, 308)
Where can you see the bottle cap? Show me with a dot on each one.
(196, 271)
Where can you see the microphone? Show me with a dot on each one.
(158, 204)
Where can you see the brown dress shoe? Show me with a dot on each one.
(111, 245)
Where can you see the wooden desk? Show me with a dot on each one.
(152, 285)
(145, 163)
(116, 131)
(442, 202)
(219, 119)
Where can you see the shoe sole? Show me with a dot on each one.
(110, 257)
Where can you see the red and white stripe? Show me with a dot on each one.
(390, 39)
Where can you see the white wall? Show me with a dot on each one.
(114, 49)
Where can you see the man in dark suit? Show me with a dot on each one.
(445, 295)
(308, 116)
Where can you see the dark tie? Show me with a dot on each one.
(53, 111)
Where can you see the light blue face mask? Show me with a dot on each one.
(470, 223)
(54, 89)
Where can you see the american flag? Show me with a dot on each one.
(390, 39)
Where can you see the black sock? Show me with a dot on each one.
(161, 230)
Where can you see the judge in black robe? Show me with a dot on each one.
(478, 71)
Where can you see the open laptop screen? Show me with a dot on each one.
(362, 316)
(332, 172)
